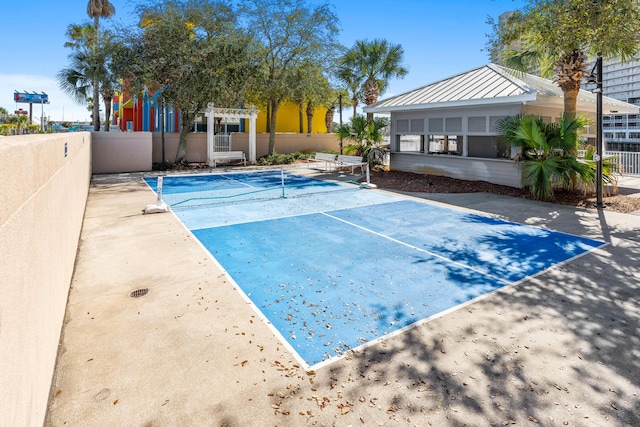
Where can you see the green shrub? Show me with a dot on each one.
(8, 129)
(276, 159)
(162, 166)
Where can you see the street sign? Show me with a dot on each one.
(31, 98)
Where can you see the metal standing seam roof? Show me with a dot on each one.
(488, 84)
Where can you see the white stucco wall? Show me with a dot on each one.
(44, 181)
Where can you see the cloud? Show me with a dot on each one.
(60, 107)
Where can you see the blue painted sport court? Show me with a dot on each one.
(333, 267)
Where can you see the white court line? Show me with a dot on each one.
(459, 264)
(238, 181)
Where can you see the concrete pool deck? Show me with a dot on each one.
(559, 349)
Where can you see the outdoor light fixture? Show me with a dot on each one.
(596, 77)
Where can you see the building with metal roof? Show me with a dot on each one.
(449, 127)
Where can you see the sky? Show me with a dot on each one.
(440, 38)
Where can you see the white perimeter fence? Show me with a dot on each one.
(628, 162)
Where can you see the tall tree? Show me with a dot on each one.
(335, 99)
(97, 9)
(557, 38)
(290, 33)
(79, 78)
(311, 88)
(191, 50)
(88, 65)
(374, 62)
(353, 82)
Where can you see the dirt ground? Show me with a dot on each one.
(412, 182)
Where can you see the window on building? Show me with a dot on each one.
(444, 144)
(489, 147)
(410, 143)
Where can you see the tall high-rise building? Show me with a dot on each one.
(495, 52)
(621, 80)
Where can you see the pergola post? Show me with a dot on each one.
(252, 139)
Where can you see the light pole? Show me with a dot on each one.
(596, 77)
(599, 151)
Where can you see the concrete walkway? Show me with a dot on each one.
(560, 349)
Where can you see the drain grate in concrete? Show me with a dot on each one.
(139, 293)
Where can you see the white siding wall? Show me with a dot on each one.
(496, 171)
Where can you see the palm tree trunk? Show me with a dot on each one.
(355, 104)
(570, 101)
(107, 112)
(369, 118)
(96, 85)
(328, 119)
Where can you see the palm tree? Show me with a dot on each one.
(353, 83)
(610, 170)
(556, 38)
(548, 153)
(365, 138)
(77, 79)
(97, 9)
(330, 104)
(375, 62)
(20, 121)
(106, 91)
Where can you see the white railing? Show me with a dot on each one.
(221, 143)
(628, 161)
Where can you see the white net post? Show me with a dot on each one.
(160, 206)
(159, 190)
(368, 184)
(282, 182)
